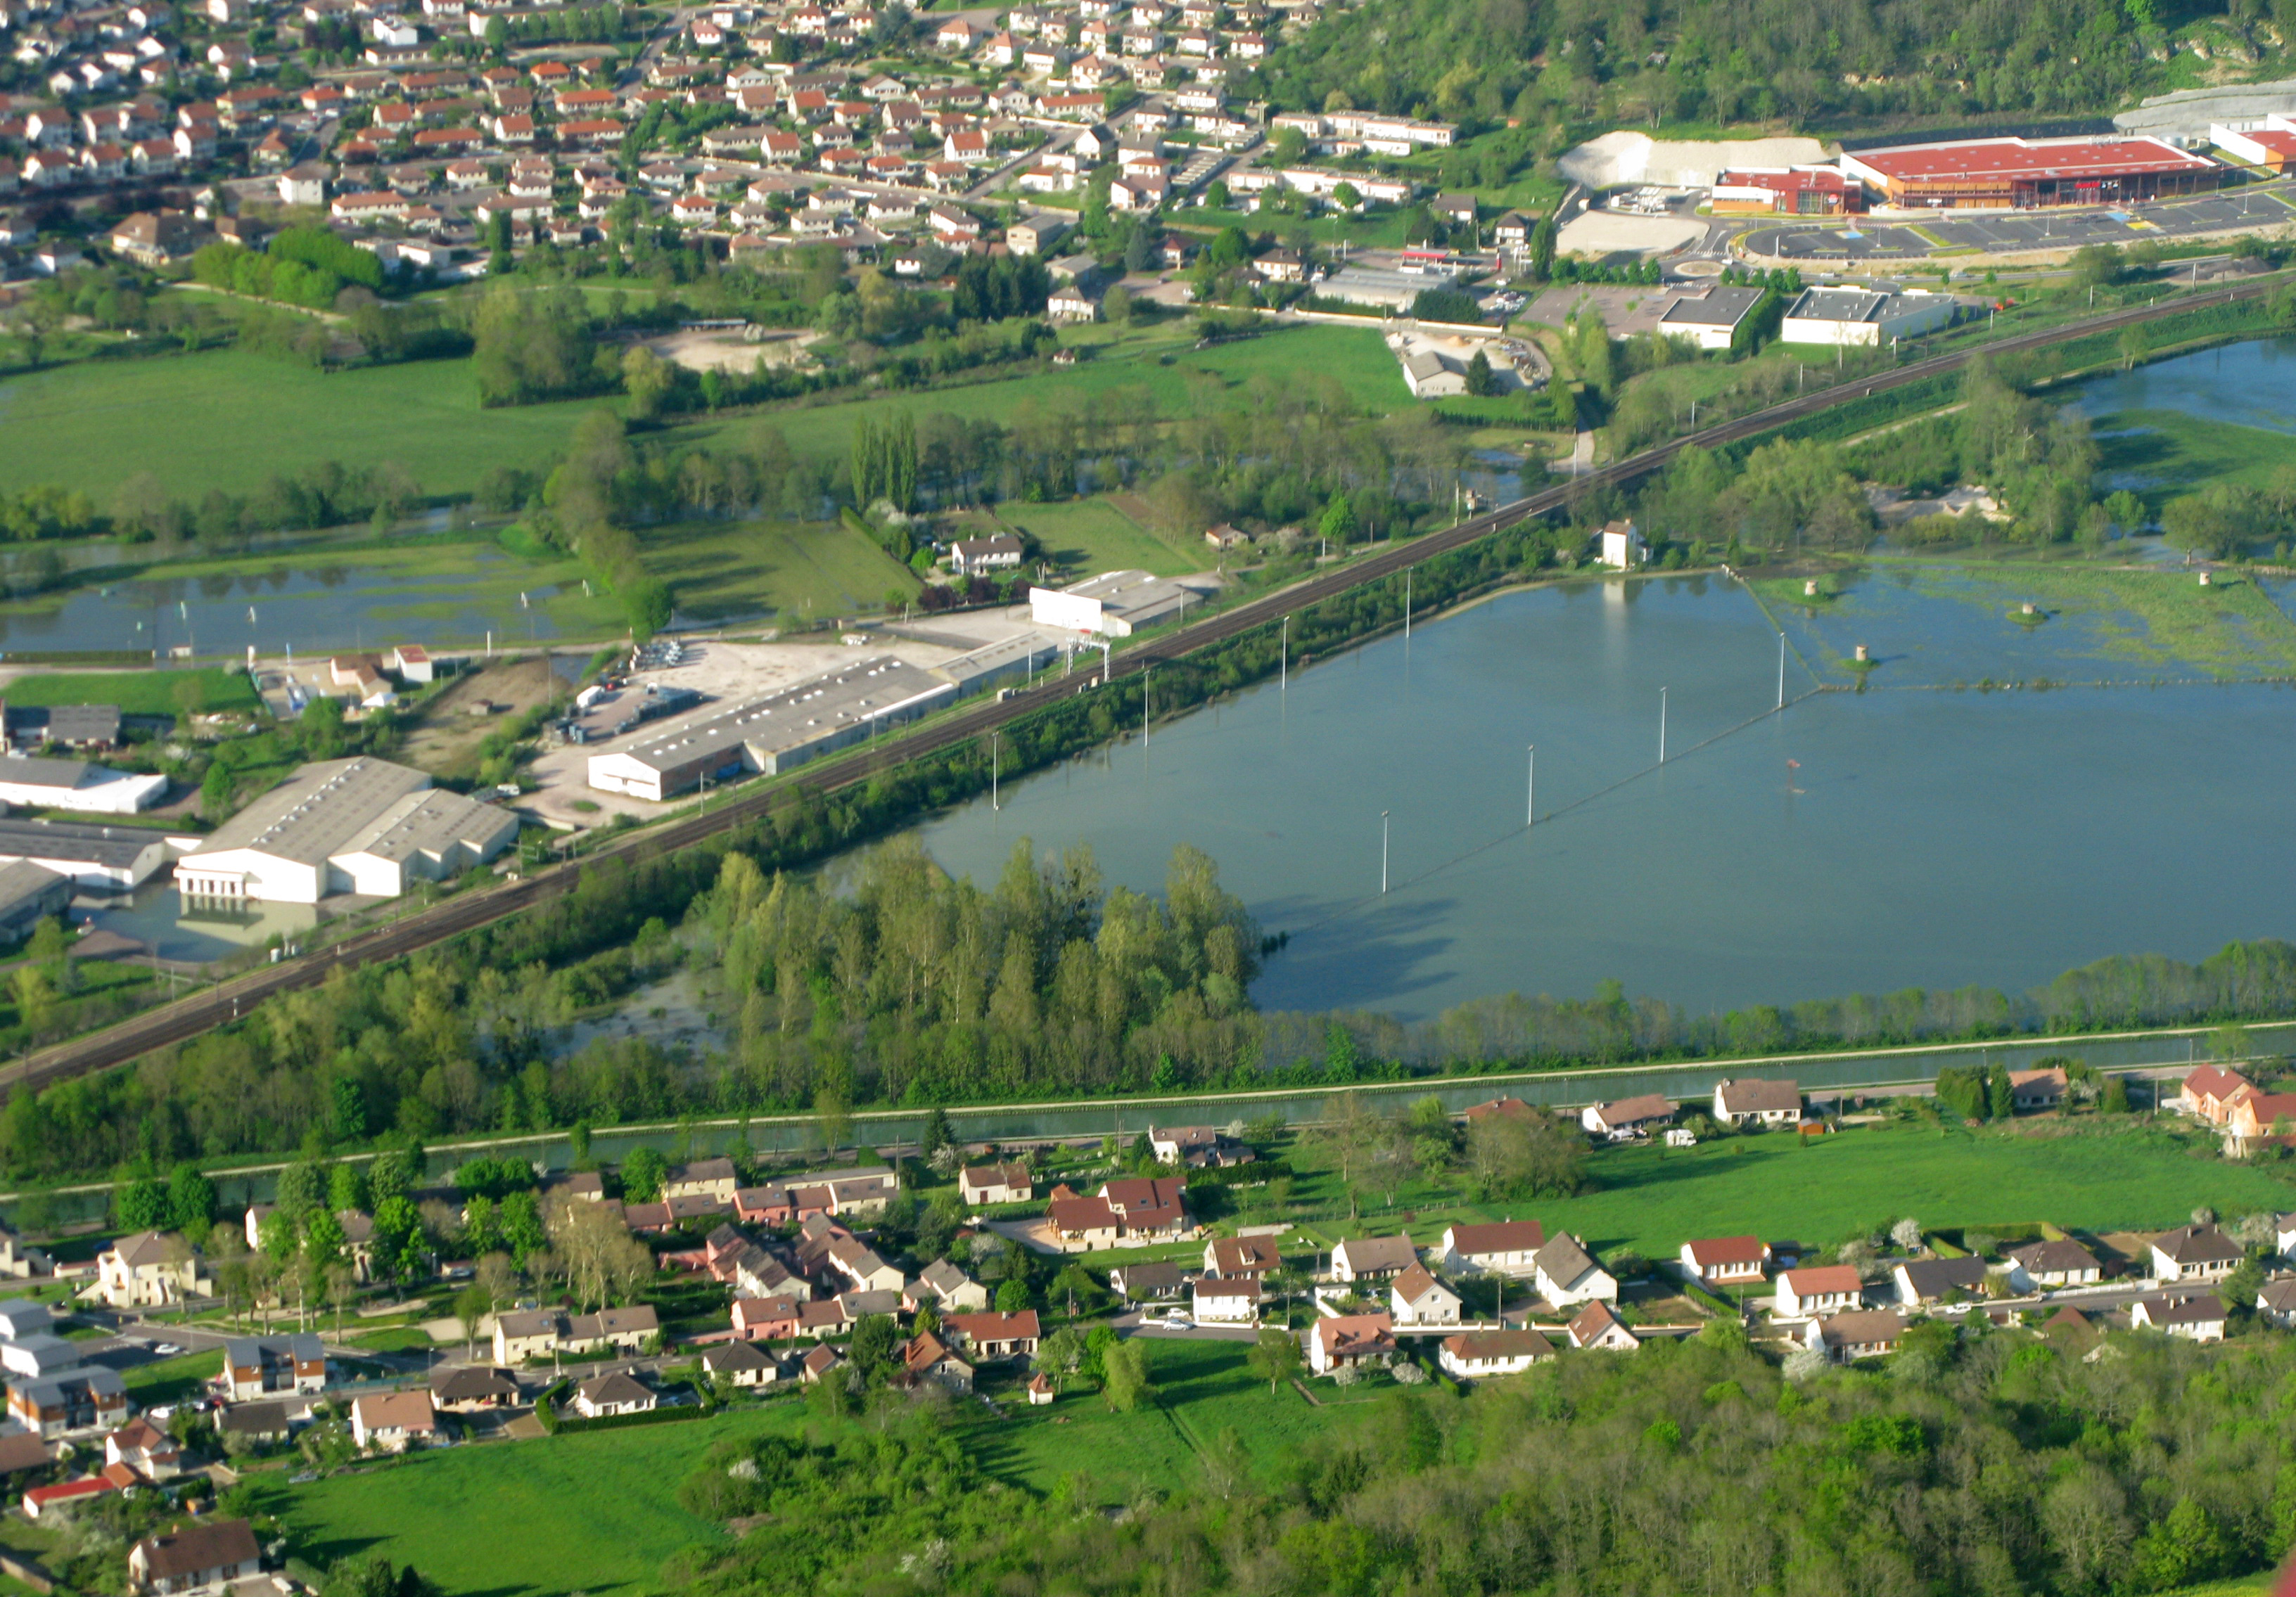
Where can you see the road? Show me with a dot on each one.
(189, 1018)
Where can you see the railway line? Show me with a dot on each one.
(186, 1018)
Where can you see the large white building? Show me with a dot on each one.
(77, 784)
(774, 733)
(1854, 316)
(1113, 604)
(360, 825)
(93, 855)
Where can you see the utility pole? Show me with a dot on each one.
(1661, 726)
(1782, 671)
(993, 803)
(1406, 603)
(1283, 661)
(1383, 854)
(1530, 798)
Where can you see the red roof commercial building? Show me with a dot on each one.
(1785, 192)
(2020, 173)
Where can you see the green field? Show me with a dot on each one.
(1823, 1189)
(169, 1379)
(227, 419)
(2167, 452)
(2148, 616)
(1093, 535)
(599, 1512)
(136, 692)
(722, 571)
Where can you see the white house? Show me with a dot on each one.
(2194, 1253)
(1499, 1246)
(394, 1421)
(1622, 546)
(1856, 1335)
(1349, 1339)
(1478, 1354)
(1725, 1261)
(150, 1270)
(2198, 1317)
(1819, 1289)
(1595, 1326)
(616, 1392)
(1372, 1258)
(2061, 1264)
(1416, 1300)
(995, 1183)
(1629, 1116)
(1227, 1300)
(1756, 1102)
(1567, 1274)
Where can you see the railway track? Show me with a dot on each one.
(188, 1018)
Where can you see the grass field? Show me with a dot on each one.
(168, 1379)
(594, 1512)
(1093, 535)
(1820, 1191)
(725, 569)
(2162, 453)
(228, 420)
(2151, 616)
(137, 692)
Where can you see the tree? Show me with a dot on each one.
(872, 1348)
(1480, 382)
(302, 1188)
(1276, 1356)
(472, 1304)
(1012, 1296)
(2239, 1289)
(1062, 1354)
(1346, 195)
(596, 1255)
(643, 1172)
(191, 1201)
(141, 1205)
(1511, 1155)
(1124, 1375)
(1906, 1233)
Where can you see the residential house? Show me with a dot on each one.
(260, 1424)
(970, 557)
(2283, 1236)
(203, 1556)
(625, 1330)
(1861, 1333)
(1567, 1274)
(1231, 1301)
(1597, 1327)
(2194, 1253)
(925, 1358)
(616, 1392)
(1819, 1289)
(2255, 1116)
(470, 1388)
(765, 1319)
(742, 1364)
(394, 1421)
(860, 1264)
(2196, 1316)
(142, 1447)
(77, 1400)
(1242, 1256)
(1149, 1207)
(997, 1184)
(2059, 1263)
(1501, 1246)
(1416, 1300)
(994, 1336)
(826, 1318)
(1036, 234)
(150, 1270)
(1349, 1339)
(1725, 1261)
(2037, 1089)
(2275, 1305)
(1197, 1147)
(2209, 1091)
(1627, 1118)
(819, 1363)
(1934, 1280)
(39, 1354)
(260, 1366)
(704, 1178)
(1479, 1355)
(1756, 1102)
(1147, 1282)
(949, 1290)
(524, 1334)
(1372, 1258)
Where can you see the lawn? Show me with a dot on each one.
(1820, 1191)
(136, 692)
(2151, 616)
(229, 420)
(168, 1379)
(1204, 1389)
(726, 571)
(594, 1512)
(2162, 453)
(1093, 535)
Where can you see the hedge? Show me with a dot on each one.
(652, 1416)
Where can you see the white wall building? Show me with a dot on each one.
(77, 784)
(359, 825)
(1113, 604)
(1854, 316)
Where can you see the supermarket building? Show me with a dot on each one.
(2016, 174)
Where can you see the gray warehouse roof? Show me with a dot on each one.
(866, 690)
(59, 773)
(117, 847)
(1718, 306)
(320, 811)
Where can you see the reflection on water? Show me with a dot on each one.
(315, 609)
(2246, 384)
(173, 928)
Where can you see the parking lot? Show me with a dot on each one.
(2251, 206)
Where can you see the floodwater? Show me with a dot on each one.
(316, 610)
(2246, 384)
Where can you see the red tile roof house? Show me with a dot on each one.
(995, 1183)
(1627, 1118)
(1596, 1327)
(1502, 1247)
(1479, 1355)
(765, 1319)
(394, 1421)
(993, 1335)
(1339, 1340)
(2209, 1093)
(1228, 1302)
(1725, 1261)
(1372, 1258)
(1242, 1256)
(1820, 1289)
(1416, 1299)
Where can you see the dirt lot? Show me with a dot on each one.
(1625, 311)
(726, 672)
(443, 739)
(701, 350)
(1606, 232)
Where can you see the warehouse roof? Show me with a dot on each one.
(865, 690)
(114, 845)
(362, 806)
(2011, 158)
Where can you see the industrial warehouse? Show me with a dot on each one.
(2017, 174)
(773, 734)
(362, 826)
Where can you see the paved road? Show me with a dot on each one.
(470, 910)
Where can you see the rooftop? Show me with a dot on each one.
(798, 715)
(2013, 159)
